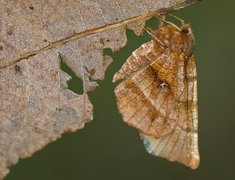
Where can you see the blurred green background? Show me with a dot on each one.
(107, 149)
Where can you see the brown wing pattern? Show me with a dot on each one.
(181, 144)
(146, 101)
(140, 58)
(140, 100)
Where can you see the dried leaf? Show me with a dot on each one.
(36, 107)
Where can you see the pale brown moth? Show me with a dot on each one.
(158, 93)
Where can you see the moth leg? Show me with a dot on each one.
(184, 26)
(177, 18)
(163, 20)
(161, 24)
(152, 33)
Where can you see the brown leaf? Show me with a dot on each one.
(36, 107)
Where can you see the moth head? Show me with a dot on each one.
(177, 39)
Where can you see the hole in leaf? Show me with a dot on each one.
(75, 83)
(104, 100)
(10, 32)
(31, 7)
(133, 42)
(17, 68)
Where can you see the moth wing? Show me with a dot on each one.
(139, 58)
(181, 144)
(146, 103)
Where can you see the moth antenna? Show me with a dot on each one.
(177, 18)
(151, 32)
(167, 22)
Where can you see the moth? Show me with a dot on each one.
(158, 93)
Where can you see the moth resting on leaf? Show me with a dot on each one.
(158, 94)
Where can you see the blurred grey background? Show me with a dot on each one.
(107, 149)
